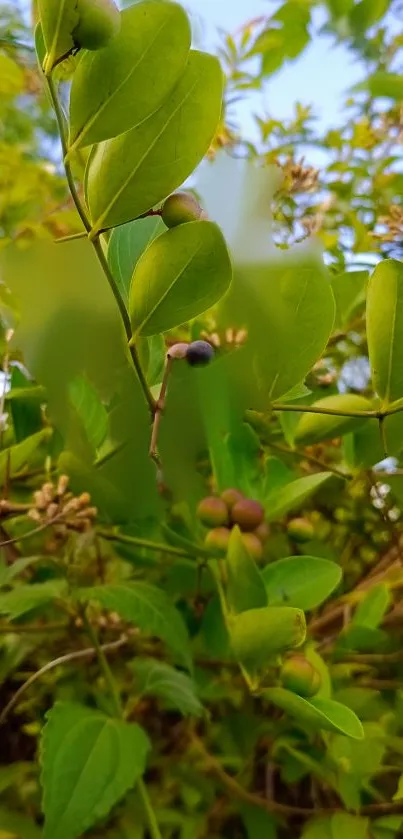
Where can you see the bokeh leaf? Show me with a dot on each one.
(293, 495)
(90, 409)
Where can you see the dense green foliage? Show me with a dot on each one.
(200, 537)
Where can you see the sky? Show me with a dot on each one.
(320, 77)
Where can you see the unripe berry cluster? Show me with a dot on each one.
(221, 513)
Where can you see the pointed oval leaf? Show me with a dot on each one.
(24, 598)
(149, 608)
(180, 275)
(245, 586)
(156, 678)
(88, 762)
(313, 428)
(120, 86)
(126, 245)
(372, 608)
(259, 634)
(128, 175)
(15, 457)
(385, 329)
(58, 22)
(319, 713)
(301, 581)
(293, 495)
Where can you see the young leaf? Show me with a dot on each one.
(259, 634)
(180, 275)
(313, 428)
(156, 678)
(293, 495)
(126, 245)
(147, 607)
(245, 585)
(300, 581)
(385, 329)
(90, 409)
(58, 22)
(372, 608)
(319, 713)
(128, 175)
(88, 762)
(14, 458)
(349, 826)
(24, 598)
(120, 86)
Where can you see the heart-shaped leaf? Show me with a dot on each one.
(88, 763)
(301, 581)
(149, 608)
(319, 713)
(181, 274)
(132, 173)
(126, 245)
(120, 86)
(385, 329)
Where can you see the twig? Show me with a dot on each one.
(63, 659)
(145, 543)
(82, 235)
(33, 532)
(211, 764)
(97, 244)
(159, 411)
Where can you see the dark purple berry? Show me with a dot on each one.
(199, 353)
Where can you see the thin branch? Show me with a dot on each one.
(63, 659)
(71, 238)
(159, 411)
(211, 764)
(97, 244)
(33, 532)
(145, 543)
(332, 412)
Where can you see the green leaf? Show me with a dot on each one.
(11, 77)
(8, 572)
(128, 175)
(120, 86)
(156, 678)
(14, 458)
(298, 314)
(313, 428)
(384, 84)
(180, 275)
(58, 22)
(90, 409)
(318, 828)
(259, 634)
(88, 762)
(126, 245)
(293, 495)
(258, 824)
(245, 586)
(399, 792)
(349, 826)
(18, 826)
(318, 713)
(301, 581)
(372, 608)
(385, 329)
(24, 598)
(349, 293)
(147, 607)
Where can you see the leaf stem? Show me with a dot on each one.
(152, 821)
(145, 543)
(97, 244)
